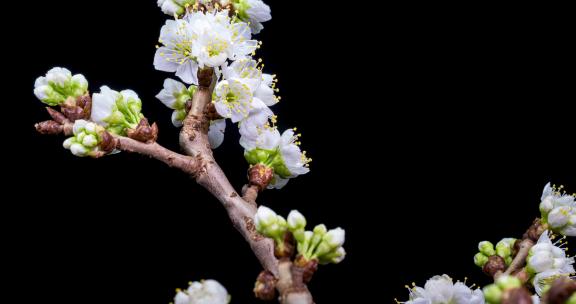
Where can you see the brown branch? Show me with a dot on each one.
(291, 284)
(523, 249)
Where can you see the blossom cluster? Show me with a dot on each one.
(58, 85)
(320, 244)
(558, 210)
(204, 292)
(216, 39)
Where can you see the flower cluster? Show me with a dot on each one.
(320, 244)
(116, 111)
(207, 37)
(280, 152)
(486, 249)
(441, 290)
(548, 261)
(86, 140)
(558, 210)
(199, 40)
(58, 85)
(253, 12)
(204, 292)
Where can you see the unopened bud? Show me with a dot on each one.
(494, 264)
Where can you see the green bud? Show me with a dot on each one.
(504, 247)
(480, 259)
(486, 248)
(492, 294)
(508, 282)
(260, 156)
(508, 260)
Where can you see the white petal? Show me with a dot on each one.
(216, 133)
(188, 72)
(177, 123)
(167, 60)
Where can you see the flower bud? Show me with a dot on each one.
(480, 259)
(492, 294)
(508, 282)
(59, 85)
(264, 217)
(504, 247)
(296, 221)
(486, 248)
(335, 237)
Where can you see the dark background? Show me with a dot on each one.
(431, 128)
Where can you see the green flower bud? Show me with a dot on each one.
(508, 260)
(486, 248)
(86, 139)
(492, 294)
(480, 259)
(296, 221)
(504, 247)
(58, 85)
(508, 282)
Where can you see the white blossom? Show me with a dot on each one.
(558, 211)
(174, 95)
(547, 257)
(255, 12)
(204, 292)
(441, 290)
(201, 40)
(116, 111)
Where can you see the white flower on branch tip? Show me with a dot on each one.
(543, 280)
(254, 12)
(441, 290)
(558, 210)
(58, 85)
(201, 40)
(117, 111)
(547, 256)
(174, 95)
(204, 292)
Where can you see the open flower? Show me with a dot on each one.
(441, 290)
(175, 95)
(280, 152)
(247, 70)
(233, 99)
(558, 211)
(204, 292)
(546, 257)
(58, 85)
(201, 40)
(253, 12)
(117, 111)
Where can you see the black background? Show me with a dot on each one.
(431, 128)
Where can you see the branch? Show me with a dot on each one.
(194, 141)
(529, 238)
